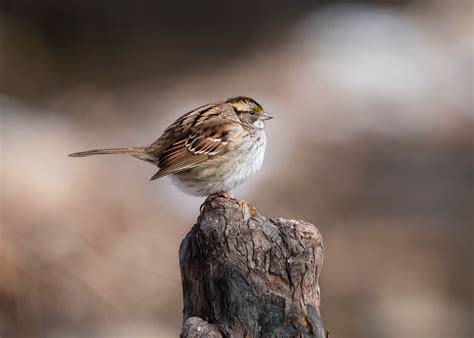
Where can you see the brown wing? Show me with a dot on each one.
(181, 126)
(207, 140)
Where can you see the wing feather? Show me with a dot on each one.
(206, 141)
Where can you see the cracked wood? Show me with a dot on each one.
(245, 275)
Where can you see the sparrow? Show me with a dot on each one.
(208, 150)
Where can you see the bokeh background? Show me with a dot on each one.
(372, 142)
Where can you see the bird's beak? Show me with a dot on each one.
(266, 116)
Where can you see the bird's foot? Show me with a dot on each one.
(246, 205)
(222, 194)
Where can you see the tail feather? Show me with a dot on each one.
(135, 151)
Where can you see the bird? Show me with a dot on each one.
(211, 149)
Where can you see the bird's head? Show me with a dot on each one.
(249, 111)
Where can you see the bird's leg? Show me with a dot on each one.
(242, 203)
(223, 194)
(228, 195)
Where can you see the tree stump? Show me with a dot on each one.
(247, 276)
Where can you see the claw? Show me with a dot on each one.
(248, 205)
(222, 194)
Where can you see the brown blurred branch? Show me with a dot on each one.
(247, 276)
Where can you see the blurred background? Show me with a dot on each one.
(372, 142)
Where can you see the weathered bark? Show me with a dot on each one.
(248, 276)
